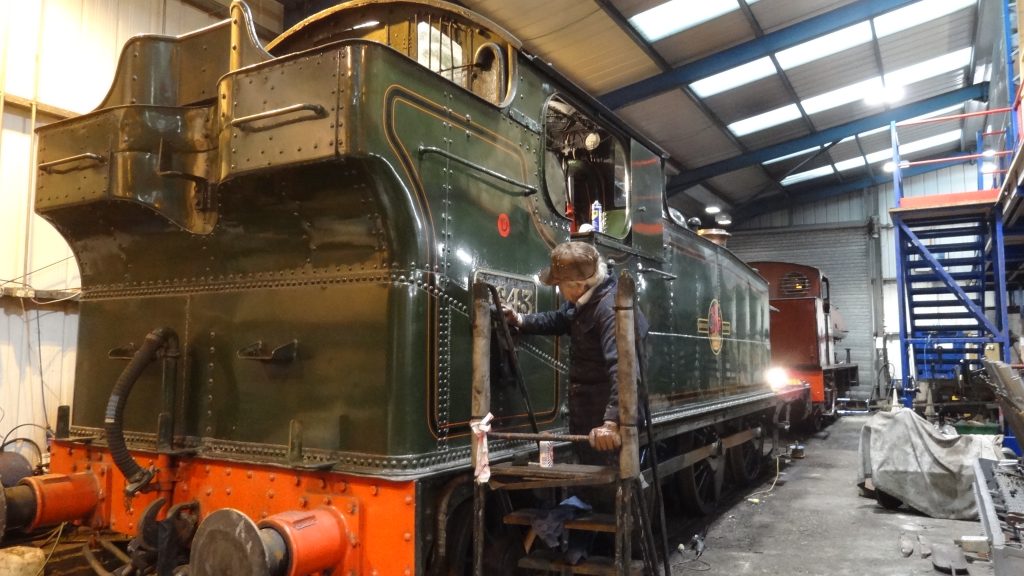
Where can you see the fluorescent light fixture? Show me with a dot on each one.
(793, 155)
(823, 46)
(919, 13)
(712, 209)
(840, 96)
(929, 68)
(808, 175)
(738, 76)
(723, 219)
(766, 120)
(675, 16)
(890, 167)
(887, 95)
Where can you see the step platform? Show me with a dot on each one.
(552, 561)
(507, 476)
(588, 522)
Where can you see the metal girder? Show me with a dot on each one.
(911, 110)
(752, 50)
(748, 211)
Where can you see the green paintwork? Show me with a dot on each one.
(345, 224)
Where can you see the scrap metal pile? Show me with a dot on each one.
(999, 485)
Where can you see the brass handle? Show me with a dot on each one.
(242, 123)
(88, 158)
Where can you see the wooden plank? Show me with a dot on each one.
(594, 565)
(566, 471)
(590, 522)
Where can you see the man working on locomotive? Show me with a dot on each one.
(588, 317)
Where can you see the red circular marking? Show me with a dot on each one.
(504, 226)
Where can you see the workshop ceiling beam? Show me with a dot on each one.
(796, 198)
(692, 177)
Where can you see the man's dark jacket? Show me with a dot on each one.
(594, 358)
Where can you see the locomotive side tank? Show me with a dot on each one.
(277, 247)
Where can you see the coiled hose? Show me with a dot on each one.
(137, 477)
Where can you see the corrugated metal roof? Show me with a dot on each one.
(706, 39)
(674, 121)
(776, 14)
(579, 38)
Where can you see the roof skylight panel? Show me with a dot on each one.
(931, 142)
(930, 68)
(738, 76)
(885, 155)
(919, 13)
(793, 155)
(855, 162)
(823, 46)
(808, 175)
(901, 77)
(765, 120)
(874, 157)
(935, 113)
(885, 25)
(675, 16)
(840, 96)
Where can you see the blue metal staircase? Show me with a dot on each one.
(951, 270)
(950, 280)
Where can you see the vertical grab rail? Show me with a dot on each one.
(906, 389)
(481, 406)
(629, 460)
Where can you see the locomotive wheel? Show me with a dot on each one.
(746, 461)
(501, 550)
(702, 486)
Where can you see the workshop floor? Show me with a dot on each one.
(814, 521)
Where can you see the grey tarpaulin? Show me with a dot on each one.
(907, 457)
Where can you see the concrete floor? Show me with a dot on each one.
(817, 523)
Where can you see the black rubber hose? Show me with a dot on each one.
(137, 477)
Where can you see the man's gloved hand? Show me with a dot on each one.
(606, 437)
(511, 316)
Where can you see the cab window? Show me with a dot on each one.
(585, 171)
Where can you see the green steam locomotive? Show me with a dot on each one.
(292, 233)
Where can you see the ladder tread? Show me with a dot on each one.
(517, 476)
(595, 565)
(588, 522)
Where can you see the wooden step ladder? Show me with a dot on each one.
(623, 478)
